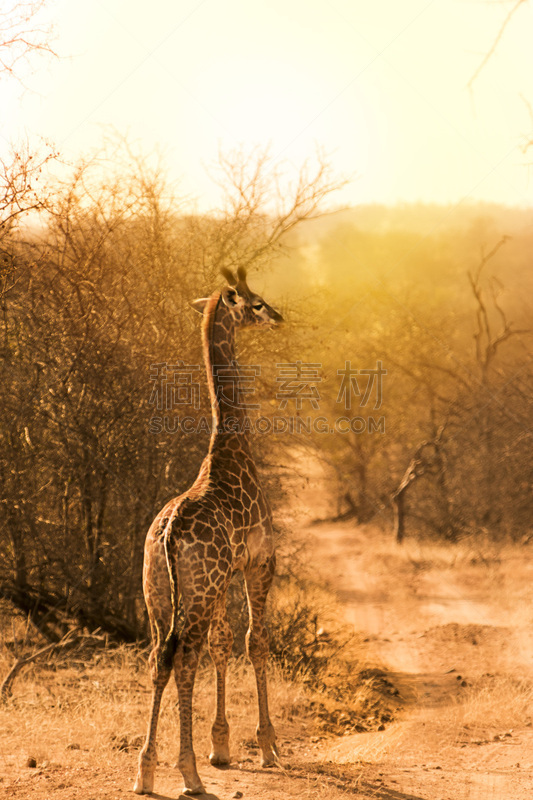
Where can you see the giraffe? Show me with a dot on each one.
(221, 524)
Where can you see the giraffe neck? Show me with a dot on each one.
(223, 377)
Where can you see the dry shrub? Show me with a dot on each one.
(346, 691)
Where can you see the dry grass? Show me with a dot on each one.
(103, 705)
(501, 702)
(60, 707)
(56, 710)
(81, 727)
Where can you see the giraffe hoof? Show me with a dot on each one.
(270, 756)
(269, 762)
(143, 785)
(195, 790)
(219, 761)
(220, 757)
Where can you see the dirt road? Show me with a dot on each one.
(452, 627)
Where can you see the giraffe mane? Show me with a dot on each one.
(207, 337)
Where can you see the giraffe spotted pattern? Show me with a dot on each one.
(221, 524)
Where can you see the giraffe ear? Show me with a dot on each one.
(199, 304)
(229, 297)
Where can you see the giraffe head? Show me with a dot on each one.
(247, 308)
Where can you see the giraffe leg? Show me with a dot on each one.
(185, 665)
(220, 640)
(160, 669)
(258, 581)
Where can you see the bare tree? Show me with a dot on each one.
(263, 205)
(471, 467)
(427, 460)
(101, 301)
(23, 35)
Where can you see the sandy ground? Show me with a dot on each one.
(452, 629)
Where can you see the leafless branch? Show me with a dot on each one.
(488, 55)
(22, 34)
(263, 206)
(69, 640)
(487, 339)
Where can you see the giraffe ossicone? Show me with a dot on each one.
(221, 524)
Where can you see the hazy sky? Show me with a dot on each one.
(381, 85)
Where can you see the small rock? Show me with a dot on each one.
(73, 746)
(237, 795)
(31, 762)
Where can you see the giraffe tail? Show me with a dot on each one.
(172, 638)
(169, 648)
